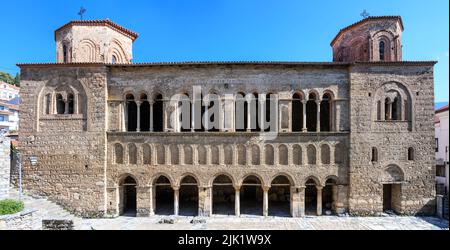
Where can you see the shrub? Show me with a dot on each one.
(10, 206)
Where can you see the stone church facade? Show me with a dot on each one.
(353, 135)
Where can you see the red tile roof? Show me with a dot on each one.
(442, 109)
(133, 35)
(82, 64)
(363, 21)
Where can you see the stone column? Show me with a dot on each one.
(304, 129)
(152, 200)
(151, 116)
(176, 197)
(75, 103)
(319, 200)
(138, 110)
(122, 116)
(301, 195)
(265, 200)
(295, 201)
(318, 116)
(237, 202)
(126, 115)
(204, 201)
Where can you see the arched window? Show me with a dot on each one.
(311, 113)
(297, 154)
(269, 155)
(325, 112)
(242, 155)
(241, 112)
(144, 111)
(228, 154)
(255, 155)
(65, 54)
(339, 153)
(396, 109)
(382, 46)
(147, 154)
(202, 156)
(174, 155)
(132, 154)
(283, 155)
(118, 154)
(215, 155)
(311, 152)
(161, 154)
(297, 113)
(410, 154)
(70, 102)
(325, 154)
(131, 113)
(188, 155)
(158, 114)
(254, 109)
(374, 154)
(114, 59)
(60, 105)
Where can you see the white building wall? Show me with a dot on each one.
(441, 130)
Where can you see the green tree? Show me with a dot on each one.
(8, 78)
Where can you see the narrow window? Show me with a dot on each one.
(65, 54)
(381, 48)
(410, 154)
(114, 59)
(60, 104)
(70, 103)
(374, 154)
(436, 141)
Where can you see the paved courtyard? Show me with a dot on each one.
(48, 210)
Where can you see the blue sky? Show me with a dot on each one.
(226, 30)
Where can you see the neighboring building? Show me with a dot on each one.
(8, 91)
(5, 161)
(442, 137)
(353, 135)
(9, 115)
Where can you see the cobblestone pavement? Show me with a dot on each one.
(48, 210)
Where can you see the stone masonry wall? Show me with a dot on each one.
(5, 165)
(71, 163)
(392, 140)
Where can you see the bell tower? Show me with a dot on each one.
(94, 41)
(375, 38)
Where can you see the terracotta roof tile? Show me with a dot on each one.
(442, 109)
(364, 21)
(133, 35)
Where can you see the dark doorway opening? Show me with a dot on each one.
(311, 198)
(164, 196)
(251, 196)
(223, 196)
(188, 197)
(128, 187)
(328, 199)
(280, 197)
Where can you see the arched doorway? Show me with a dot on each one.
(188, 196)
(280, 197)
(223, 197)
(329, 197)
(311, 197)
(251, 196)
(164, 196)
(392, 179)
(128, 196)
